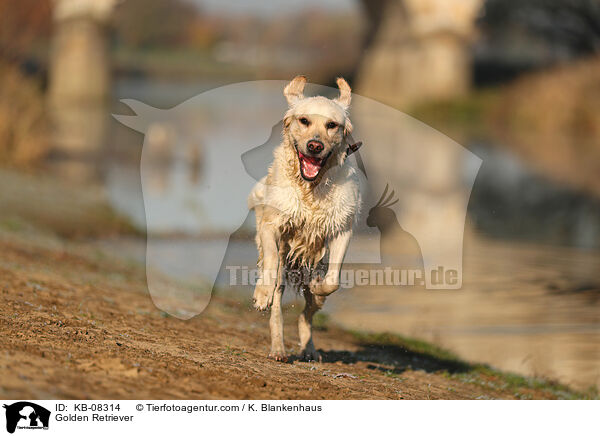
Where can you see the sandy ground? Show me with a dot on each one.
(75, 325)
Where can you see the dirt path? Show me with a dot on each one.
(77, 325)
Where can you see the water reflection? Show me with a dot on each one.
(512, 200)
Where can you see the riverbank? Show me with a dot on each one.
(80, 324)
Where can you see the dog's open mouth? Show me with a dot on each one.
(310, 166)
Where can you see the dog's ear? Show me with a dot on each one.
(294, 90)
(348, 127)
(345, 93)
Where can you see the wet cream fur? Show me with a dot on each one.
(299, 222)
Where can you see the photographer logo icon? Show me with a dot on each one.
(26, 415)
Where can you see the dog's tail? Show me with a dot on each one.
(257, 195)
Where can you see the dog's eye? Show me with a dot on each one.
(331, 125)
(304, 121)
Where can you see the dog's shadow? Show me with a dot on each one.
(392, 359)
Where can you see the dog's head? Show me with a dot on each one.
(316, 127)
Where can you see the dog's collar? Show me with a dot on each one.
(353, 148)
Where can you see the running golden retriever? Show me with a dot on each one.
(305, 208)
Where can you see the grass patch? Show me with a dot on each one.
(234, 351)
(425, 356)
(512, 381)
(463, 117)
(56, 207)
(11, 225)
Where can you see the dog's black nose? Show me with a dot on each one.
(315, 146)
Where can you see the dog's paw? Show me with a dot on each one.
(263, 297)
(278, 356)
(309, 354)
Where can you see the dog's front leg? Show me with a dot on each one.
(265, 285)
(337, 250)
(276, 325)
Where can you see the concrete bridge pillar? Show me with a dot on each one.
(79, 80)
(417, 50)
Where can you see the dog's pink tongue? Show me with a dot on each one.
(311, 167)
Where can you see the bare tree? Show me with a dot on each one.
(22, 23)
